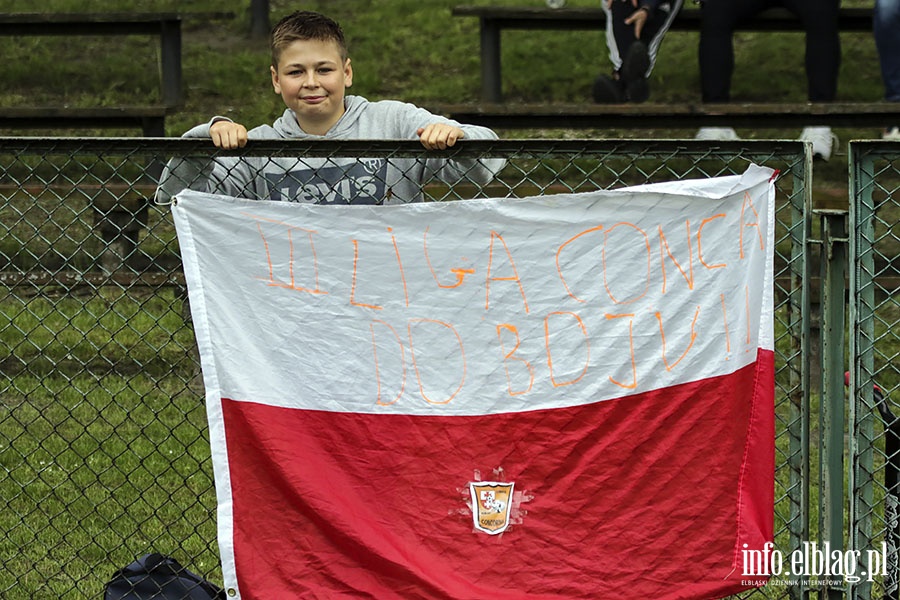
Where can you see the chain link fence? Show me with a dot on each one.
(103, 436)
(874, 378)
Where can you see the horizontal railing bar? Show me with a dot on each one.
(175, 147)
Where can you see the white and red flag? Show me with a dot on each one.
(565, 396)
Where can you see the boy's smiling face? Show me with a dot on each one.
(311, 78)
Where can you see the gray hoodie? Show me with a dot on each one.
(332, 180)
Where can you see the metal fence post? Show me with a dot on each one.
(863, 318)
(798, 307)
(831, 414)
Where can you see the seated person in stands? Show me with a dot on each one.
(823, 57)
(311, 71)
(634, 32)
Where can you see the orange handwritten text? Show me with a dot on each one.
(289, 234)
(640, 303)
(513, 277)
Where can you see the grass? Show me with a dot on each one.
(104, 447)
(149, 337)
(97, 471)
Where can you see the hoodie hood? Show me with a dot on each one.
(287, 126)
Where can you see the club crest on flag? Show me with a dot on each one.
(491, 505)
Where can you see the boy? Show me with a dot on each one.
(311, 71)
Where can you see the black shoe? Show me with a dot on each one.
(607, 90)
(634, 72)
(637, 91)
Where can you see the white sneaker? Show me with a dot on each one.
(822, 138)
(718, 134)
(892, 134)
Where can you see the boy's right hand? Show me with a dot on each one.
(228, 135)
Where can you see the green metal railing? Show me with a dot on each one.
(874, 375)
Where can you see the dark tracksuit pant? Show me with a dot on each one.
(620, 36)
(823, 49)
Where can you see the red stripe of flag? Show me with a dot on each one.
(649, 496)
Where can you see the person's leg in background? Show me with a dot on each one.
(886, 29)
(823, 60)
(823, 46)
(633, 58)
(657, 27)
(609, 89)
(716, 54)
(716, 50)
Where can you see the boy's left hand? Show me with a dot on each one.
(439, 136)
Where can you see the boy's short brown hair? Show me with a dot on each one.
(305, 25)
